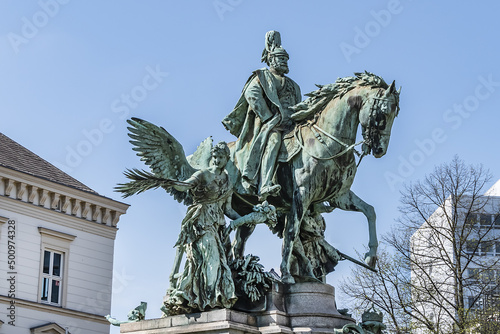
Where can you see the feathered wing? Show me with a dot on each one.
(163, 154)
(200, 159)
(159, 150)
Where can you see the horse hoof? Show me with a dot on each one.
(371, 260)
(287, 279)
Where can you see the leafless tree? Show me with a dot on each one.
(440, 273)
(387, 289)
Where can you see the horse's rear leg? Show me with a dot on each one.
(351, 202)
(291, 233)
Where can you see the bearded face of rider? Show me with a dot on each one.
(278, 64)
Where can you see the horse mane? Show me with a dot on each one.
(319, 98)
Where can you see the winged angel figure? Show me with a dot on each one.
(201, 182)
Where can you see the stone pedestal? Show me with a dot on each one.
(297, 308)
(311, 308)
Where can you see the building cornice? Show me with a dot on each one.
(59, 198)
(53, 186)
(59, 218)
(55, 310)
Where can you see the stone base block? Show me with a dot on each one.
(291, 309)
(312, 306)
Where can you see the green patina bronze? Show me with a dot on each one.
(207, 280)
(372, 322)
(316, 162)
(292, 162)
(260, 118)
(137, 314)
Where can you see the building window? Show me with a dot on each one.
(52, 279)
(496, 222)
(489, 275)
(55, 250)
(472, 302)
(485, 220)
(471, 246)
(487, 248)
(494, 290)
(474, 274)
(51, 328)
(470, 221)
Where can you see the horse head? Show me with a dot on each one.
(376, 117)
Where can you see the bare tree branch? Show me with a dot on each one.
(435, 272)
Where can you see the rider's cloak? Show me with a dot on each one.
(260, 97)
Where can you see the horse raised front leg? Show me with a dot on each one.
(351, 202)
(291, 233)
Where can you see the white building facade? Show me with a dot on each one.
(56, 248)
(477, 235)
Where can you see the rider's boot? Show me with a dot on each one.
(268, 167)
(269, 191)
(248, 185)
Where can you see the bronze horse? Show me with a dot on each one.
(320, 169)
(323, 170)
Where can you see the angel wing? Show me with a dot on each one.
(166, 158)
(159, 150)
(203, 155)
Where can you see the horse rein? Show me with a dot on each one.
(312, 125)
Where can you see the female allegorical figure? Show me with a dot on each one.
(206, 281)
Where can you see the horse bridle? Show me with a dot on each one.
(375, 109)
(373, 127)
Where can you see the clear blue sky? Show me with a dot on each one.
(76, 70)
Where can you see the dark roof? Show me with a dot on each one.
(17, 157)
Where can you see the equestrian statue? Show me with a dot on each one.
(292, 161)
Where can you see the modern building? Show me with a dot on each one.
(474, 226)
(56, 248)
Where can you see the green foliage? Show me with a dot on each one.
(249, 276)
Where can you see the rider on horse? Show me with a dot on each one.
(260, 117)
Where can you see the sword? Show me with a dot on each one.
(362, 264)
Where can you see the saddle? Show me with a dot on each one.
(289, 146)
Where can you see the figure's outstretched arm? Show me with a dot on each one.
(184, 185)
(262, 213)
(229, 211)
